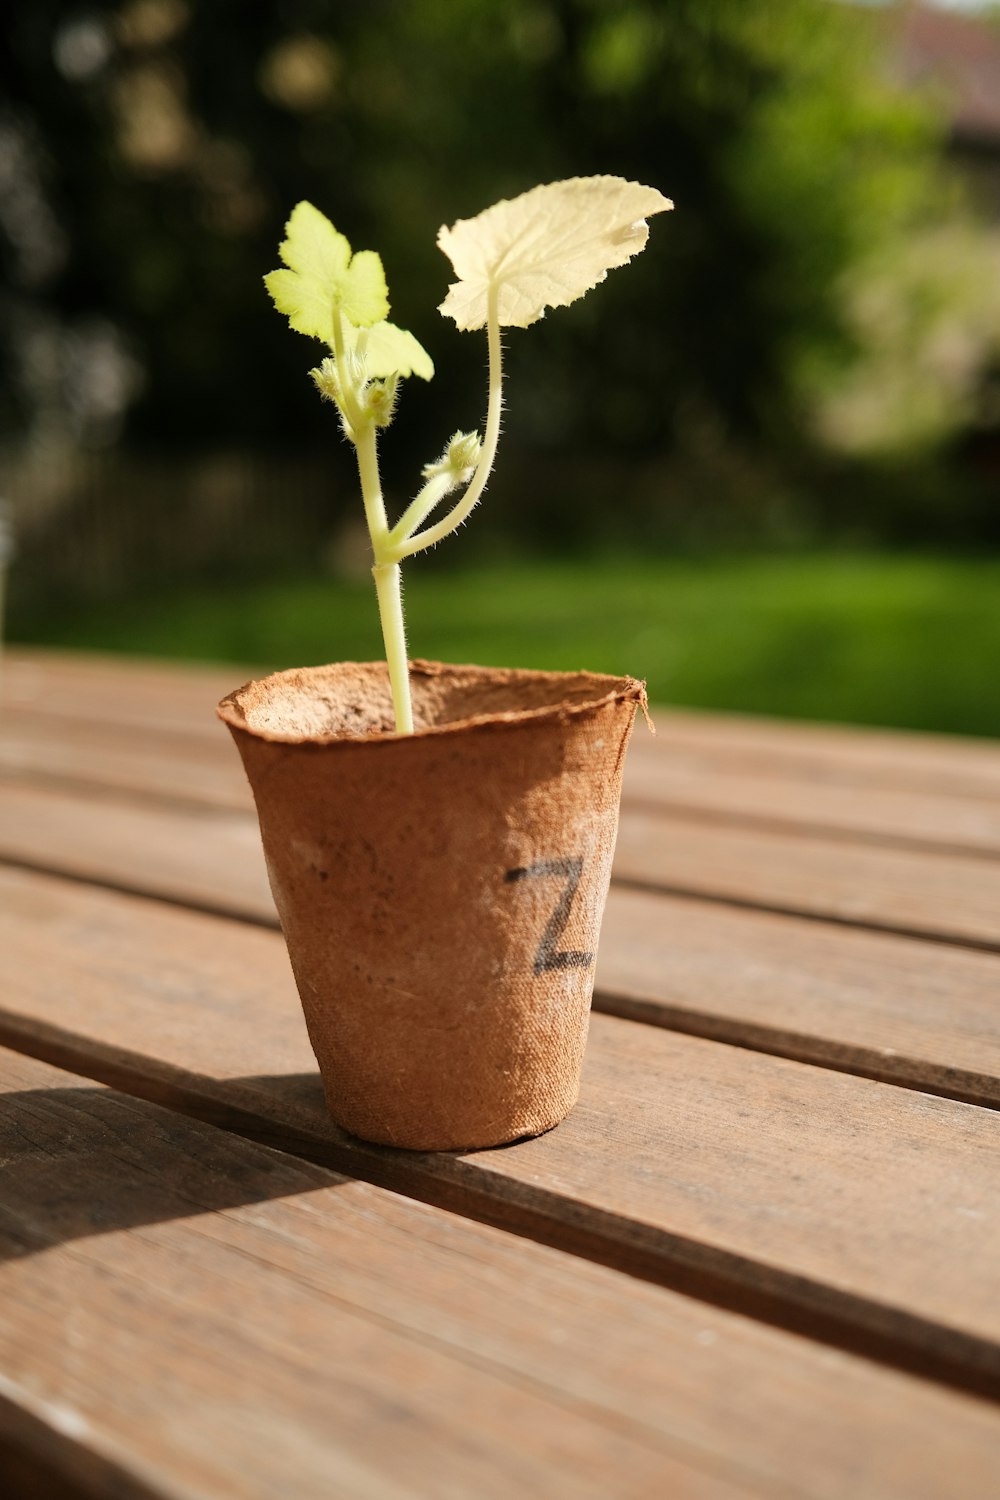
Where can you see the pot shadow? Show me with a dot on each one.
(82, 1161)
(294, 1108)
(298, 1094)
(78, 1162)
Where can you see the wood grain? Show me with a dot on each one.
(76, 687)
(144, 1247)
(945, 897)
(154, 764)
(894, 815)
(208, 1317)
(949, 765)
(743, 840)
(828, 1201)
(199, 857)
(791, 1200)
(923, 1015)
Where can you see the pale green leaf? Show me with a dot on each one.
(544, 249)
(321, 276)
(389, 350)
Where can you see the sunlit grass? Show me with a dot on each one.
(897, 640)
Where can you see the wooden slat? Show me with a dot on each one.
(79, 687)
(882, 1006)
(919, 1014)
(130, 759)
(864, 1211)
(213, 859)
(888, 814)
(206, 1317)
(201, 857)
(950, 765)
(948, 897)
(151, 1237)
(197, 769)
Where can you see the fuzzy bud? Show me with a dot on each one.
(459, 459)
(380, 400)
(326, 380)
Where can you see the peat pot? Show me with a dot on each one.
(440, 893)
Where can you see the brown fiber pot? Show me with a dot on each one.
(440, 893)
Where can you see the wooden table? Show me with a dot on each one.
(762, 1257)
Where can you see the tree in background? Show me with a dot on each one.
(150, 151)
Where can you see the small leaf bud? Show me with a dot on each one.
(326, 380)
(458, 461)
(380, 400)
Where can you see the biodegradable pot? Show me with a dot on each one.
(440, 893)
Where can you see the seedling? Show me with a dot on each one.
(544, 249)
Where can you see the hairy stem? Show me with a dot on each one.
(419, 509)
(463, 508)
(388, 586)
(347, 402)
(365, 443)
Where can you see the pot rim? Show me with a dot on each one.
(622, 689)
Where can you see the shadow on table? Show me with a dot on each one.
(76, 1162)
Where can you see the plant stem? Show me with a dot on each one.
(388, 586)
(347, 403)
(419, 509)
(457, 515)
(365, 444)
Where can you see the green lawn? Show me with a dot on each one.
(898, 640)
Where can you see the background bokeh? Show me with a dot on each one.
(761, 466)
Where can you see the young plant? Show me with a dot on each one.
(544, 249)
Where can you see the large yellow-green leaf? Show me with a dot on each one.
(544, 249)
(321, 275)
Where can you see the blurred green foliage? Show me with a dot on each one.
(161, 145)
(904, 641)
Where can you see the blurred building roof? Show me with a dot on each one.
(959, 56)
